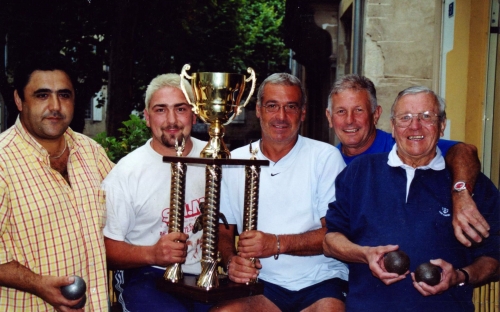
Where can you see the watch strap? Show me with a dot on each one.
(466, 281)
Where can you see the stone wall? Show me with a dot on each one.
(399, 48)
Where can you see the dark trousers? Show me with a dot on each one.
(137, 292)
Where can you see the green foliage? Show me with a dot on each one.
(139, 40)
(133, 135)
(260, 29)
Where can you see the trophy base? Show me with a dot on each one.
(227, 290)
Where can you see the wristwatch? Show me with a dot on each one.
(461, 186)
(466, 279)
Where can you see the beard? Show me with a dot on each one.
(169, 140)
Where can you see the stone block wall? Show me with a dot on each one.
(399, 48)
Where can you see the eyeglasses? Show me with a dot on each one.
(426, 119)
(289, 108)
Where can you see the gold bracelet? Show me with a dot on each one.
(276, 256)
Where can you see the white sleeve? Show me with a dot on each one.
(120, 212)
(330, 164)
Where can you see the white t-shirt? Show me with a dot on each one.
(138, 200)
(294, 195)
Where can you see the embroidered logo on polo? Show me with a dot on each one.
(445, 212)
(273, 174)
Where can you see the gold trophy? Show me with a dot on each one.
(217, 102)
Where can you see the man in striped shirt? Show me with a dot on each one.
(52, 210)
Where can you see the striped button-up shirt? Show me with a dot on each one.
(47, 225)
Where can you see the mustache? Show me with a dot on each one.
(53, 114)
(280, 122)
(172, 127)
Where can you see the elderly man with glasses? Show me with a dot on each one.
(401, 201)
(353, 112)
(294, 194)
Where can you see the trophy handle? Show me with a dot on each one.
(252, 89)
(185, 75)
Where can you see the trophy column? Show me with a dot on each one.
(251, 202)
(208, 277)
(173, 272)
(209, 286)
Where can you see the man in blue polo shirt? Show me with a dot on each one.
(353, 113)
(400, 200)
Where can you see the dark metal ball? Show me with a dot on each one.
(428, 273)
(75, 290)
(81, 303)
(396, 262)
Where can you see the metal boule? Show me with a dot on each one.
(75, 290)
(81, 303)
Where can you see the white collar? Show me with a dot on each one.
(437, 163)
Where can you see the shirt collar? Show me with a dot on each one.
(288, 159)
(437, 163)
(36, 147)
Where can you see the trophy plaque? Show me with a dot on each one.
(217, 102)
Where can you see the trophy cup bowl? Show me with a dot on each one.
(217, 98)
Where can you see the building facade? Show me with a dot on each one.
(450, 46)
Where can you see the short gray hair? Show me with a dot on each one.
(421, 89)
(354, 82)
(283, 79)
(167, 80)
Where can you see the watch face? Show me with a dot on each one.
(462, 186)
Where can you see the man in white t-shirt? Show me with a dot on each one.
(136, 234)
(295, 190)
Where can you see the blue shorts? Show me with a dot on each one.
(137, 291)
(297, 300)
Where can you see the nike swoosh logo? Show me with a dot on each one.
(273, 174)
